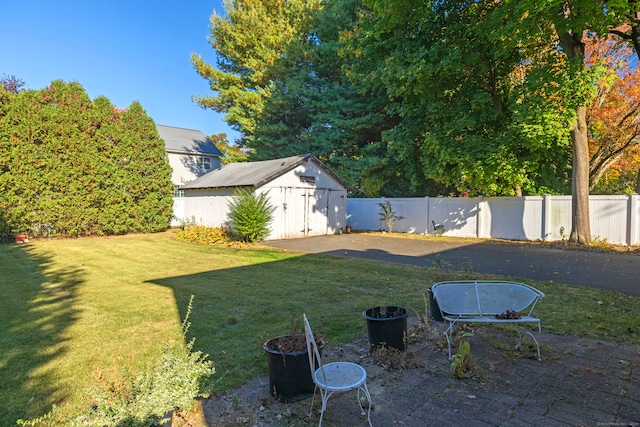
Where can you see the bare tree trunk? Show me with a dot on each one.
(638, 184)
(580, 225)
(571, 42)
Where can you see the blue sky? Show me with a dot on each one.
(125, 50)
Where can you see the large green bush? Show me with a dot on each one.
(72, 166)
(250, 215)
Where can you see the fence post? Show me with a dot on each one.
(546, 217)
(428, 210)
(634, 219)
(481, 213)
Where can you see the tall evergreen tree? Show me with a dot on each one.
(280, 82)
(315, 109)
(75, 167)
(248, 41)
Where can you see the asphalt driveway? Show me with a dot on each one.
(610, 271)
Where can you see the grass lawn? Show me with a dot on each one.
(71, 308)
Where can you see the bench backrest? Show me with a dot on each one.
(475, 297)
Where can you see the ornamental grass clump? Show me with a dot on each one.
(250, 215)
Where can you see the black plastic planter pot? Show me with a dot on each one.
(289, 373)
(434, 308)
(387, 326)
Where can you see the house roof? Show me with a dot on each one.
(255, 174)
(186, 141)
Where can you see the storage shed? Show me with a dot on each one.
(309, 199)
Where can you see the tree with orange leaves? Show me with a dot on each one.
(614, 117)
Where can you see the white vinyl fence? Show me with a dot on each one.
(614, 218)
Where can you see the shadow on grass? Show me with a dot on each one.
(236, 310)
(36, 308)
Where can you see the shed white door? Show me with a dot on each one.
(306, 212)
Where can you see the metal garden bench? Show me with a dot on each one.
(488, 301)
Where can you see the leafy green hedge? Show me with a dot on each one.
(72, 166)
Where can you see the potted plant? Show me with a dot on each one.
(289, 372)
(387, 326)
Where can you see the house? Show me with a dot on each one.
(309, 199)
(191, 154)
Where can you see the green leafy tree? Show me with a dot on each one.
(565, 25)
(456, 91)
(626, 13)
(250, 215)
(490, 93)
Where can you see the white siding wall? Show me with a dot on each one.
(184, 167)
(615, 218)
(208, 208)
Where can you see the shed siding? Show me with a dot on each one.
(296, 179)
(303, 206)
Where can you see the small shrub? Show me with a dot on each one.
(464, 365)
(188, 222)
(204, 235)
(563, 236)
(602, 244)
(388, 215)
(133, 399)
(250, 215)
(461, 360)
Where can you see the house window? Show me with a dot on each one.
(177, 192)
(308, 179)
(204, 163)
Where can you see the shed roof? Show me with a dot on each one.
(186, 141)
(255, 174)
